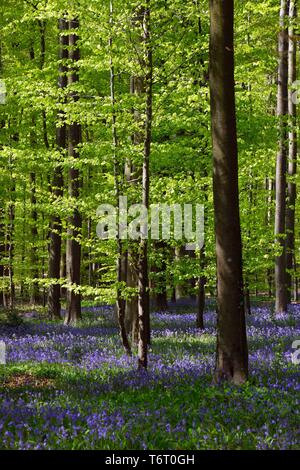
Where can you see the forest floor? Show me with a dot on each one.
(74, 388)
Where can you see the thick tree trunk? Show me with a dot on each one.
(73, 313)
(291, 188)
(54, 304)
(281, 162)
(232, 354)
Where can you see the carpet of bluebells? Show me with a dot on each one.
(74, 388)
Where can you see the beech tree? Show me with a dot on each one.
(74, 221)
(292, 153)
(281, 163)
(54, 304)
(232, 355)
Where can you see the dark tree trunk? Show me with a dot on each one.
(121, 275)
(292, 163)
(73, 313)
(9, 297)
(2, 248)
(34, 294)
(143, 277)
(232, 354)
(180, 289)
(63, 268)
(54, 304)
(34, 299)
(281, 162)
(160, 284)
(269, 186)
(201, 291)
(133, 176)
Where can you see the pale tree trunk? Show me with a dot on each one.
(54, 304)
(73, 313)
(143, 277)
(281, 162)
(232, 353)
(292, 161)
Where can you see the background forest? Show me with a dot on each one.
(107, 98)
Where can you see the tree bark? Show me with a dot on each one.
(120, 301)
(73, 313)
(292, 160)
(143, 277)
(54, 304)
(232, 353)
(281, 163)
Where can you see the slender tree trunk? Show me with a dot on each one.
(291, 188)
(34, 295)
(161, 299)
(2, 249)
(9, 298)
(269, 186)
(34, 299)
(121, 304)
(54, 304)
(232, 354)
(201, 291)
(281, 163)
(74, 221)
(133, 176)
(180, 289)
(143, 278)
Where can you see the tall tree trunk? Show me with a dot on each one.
(117, 174)
(232, 353)
(9, 297)
(73, 313)
(281, 162)
(34, 294)
(34, 298)
(2, 249)
(201, 291)
(291, 188)
(161, 298)
(133, 176)
(143, 278)
(54, 304)
(2, 214)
